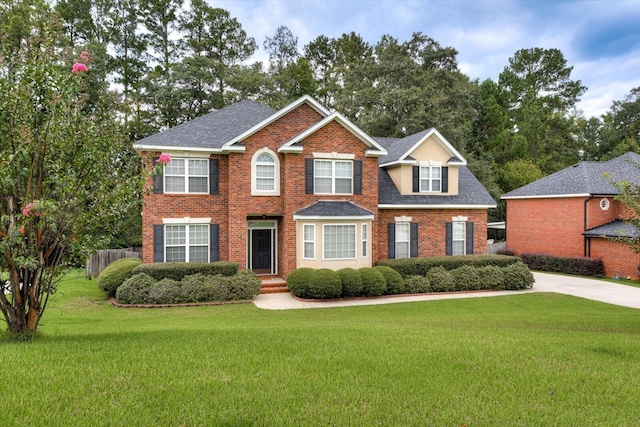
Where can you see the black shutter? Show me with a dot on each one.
(157, 177)
(449, 238)
(214, 242)
(357, 177)
(308, 176)
(214, 176)
(445, 179)
(469, 238)
(158, 243)
(414, 240)
(392, 240)
(416, 179)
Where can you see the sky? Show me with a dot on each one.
(599, 39)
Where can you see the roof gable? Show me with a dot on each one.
(400, 149)
(375, 149)
(583, 179)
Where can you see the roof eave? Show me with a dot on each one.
(547, 196)
(143, 147)
(432, 206)
(333, 217)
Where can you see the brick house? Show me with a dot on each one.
(572, 213)
(304, 187)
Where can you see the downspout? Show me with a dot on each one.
(587, 247)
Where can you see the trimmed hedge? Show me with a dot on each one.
(467, 278)
(517, 276)
(351, 282)
(373, 282)
(144, 289)
(315, 284)
(178, 270)
(441, 280)
(420, 266)
(582, 266)
(395, 283)
(116, 273)
(417, 285)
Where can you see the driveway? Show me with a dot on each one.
(597, 290)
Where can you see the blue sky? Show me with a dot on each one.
(600, 39)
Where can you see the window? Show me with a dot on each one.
(309, 241)
(430, 178)
(364, 240)
(339, 241)
(333, 176)
(187, 243)
(402, 239)
(458, 239)
(265, 180)
(186, 176)
(604, 204)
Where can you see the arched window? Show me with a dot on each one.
(266, 173)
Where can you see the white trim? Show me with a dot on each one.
(275, 116)
(399, 162)
(436, 206)
(402, 219)
(459, 218)
(334, 155)
(332, 218)
(443, 143)
(376, 149)
(186, 220)
(171, 148)
(547, 196)
(276, 174)
(604, 204)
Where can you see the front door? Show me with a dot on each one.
(261, 251)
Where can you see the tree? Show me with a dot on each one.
(62, 174)
(282, 48)
(629, 196)
(621, 129)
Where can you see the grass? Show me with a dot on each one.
(531, 359)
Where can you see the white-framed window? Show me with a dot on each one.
(339, 241)
(309, 241)
(403, 233)
(430, 178)
(333, 176)
(265, 173)
(186, 243)
(364, 240)
(459, 238)
(186, 176)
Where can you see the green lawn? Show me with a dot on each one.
(531, 359)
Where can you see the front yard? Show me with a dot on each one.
(531, 359)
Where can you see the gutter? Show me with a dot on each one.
(587, 242)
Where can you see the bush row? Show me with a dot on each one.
(116, 273)
(142, 288)
(179, 270)
(420, 266)
(579, 265)
(384, 280)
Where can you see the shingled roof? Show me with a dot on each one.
(398, 149)
(471, 193)
(615, 228)
(584, 178)
(212, 130)
(330, 208)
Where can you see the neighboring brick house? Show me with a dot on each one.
(304, 187)
(572, 213)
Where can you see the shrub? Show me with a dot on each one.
(166, 291)
(178, 270)
(440, 280)
(299, 281)
(373, 282)
(116, 273)
(351, 282)
(243, 285)
(491, 277)
(466, 278)
(214, 288)
(517, 276)
(417, 284)
(576, 265)
(193, 288)
(394, 281)
(420, 266)
(135, 289)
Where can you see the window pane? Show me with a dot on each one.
(309, 232)
(364, 240)
(265, 171)
(265, 158)
(309, 250)
(197, 185)
(322, 168)
(198, 167)
(174, 184)
(175, 254)
(175, 235)
(198, 254)
(174, 167)
(266, 184)
(435, 185)
(424, 173)
(343, 169)
(339, 241)
(458, 230)
(199, 235)
(322, 185)
(402, 249)
(458, 248)
(343, 186)
(435, 172)
(402, 232)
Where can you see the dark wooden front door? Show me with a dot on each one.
(261, 251)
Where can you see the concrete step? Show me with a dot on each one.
(273, 284)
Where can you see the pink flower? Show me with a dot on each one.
(84, 55)
(164, 158)
(27, 209)
(79, 67)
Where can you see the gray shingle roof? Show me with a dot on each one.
(584, 178)
(616, 228)
(470, 192)
(326, 208)
(396, 147)
(212, 130)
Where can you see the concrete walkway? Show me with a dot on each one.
(597, 290)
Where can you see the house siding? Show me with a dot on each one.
(431, 229)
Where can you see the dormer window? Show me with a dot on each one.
(430, 178)
(265, 173)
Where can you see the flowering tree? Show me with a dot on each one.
(61, 167)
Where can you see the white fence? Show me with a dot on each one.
(494, 248)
